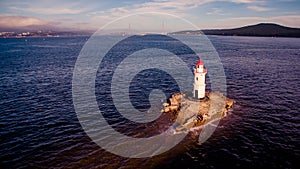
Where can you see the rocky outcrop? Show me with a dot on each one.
(174, 104)
(191, 112)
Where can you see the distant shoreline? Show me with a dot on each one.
(12, 37)
(34, 34)
(259, 30)
(32, 37)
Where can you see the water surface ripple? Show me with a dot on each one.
(39, 128)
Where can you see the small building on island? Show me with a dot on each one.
(199, 80)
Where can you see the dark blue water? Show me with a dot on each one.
(39, 127)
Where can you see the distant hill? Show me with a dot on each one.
(262, 29)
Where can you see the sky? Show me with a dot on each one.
(167, 15)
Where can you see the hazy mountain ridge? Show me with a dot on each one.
(262, 29)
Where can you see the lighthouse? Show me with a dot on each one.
(199, 80)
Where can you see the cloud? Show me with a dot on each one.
(259, 8)
(50, 11)
(53, 7)
(20, 21)
(176, 7)
(180, 5)
(180, 8)
(15, 23)
(243, 1)
(255, 5)
(287, 20)
(215, 11)
(87, 12)
(157, 8)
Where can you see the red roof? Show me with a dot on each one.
(199, 62)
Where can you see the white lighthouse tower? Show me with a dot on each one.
(199, 80)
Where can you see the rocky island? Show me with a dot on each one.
(190, 112)
(199, 108)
